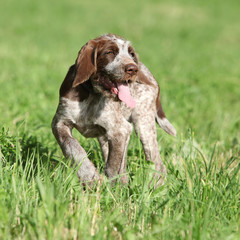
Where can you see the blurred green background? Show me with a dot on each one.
(193, 49)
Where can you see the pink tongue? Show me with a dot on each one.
(125, 96)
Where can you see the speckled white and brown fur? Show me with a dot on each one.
(89, 106)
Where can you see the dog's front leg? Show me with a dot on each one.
(117, 158)
(103, 141)
(117, 135)
(71, 148)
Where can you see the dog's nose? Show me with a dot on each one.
(131, 69)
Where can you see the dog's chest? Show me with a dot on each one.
(87, 116)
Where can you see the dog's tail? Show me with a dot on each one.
(161, 118)
(166, 126)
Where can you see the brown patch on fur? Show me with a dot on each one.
(160, 111)
(106, 53)
(141, 78)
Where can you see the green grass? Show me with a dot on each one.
(192, 48)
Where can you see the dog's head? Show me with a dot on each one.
(110, 62)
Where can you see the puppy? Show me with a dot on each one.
(104, 93)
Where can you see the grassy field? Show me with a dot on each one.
(193, 49)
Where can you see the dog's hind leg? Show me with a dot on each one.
(146, 129)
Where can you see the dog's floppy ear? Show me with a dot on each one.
(85, 63)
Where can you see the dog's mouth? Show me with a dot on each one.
(121, 89)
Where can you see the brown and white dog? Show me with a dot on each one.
(105, 91)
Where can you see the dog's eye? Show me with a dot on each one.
(132, 54)
(110, 52)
